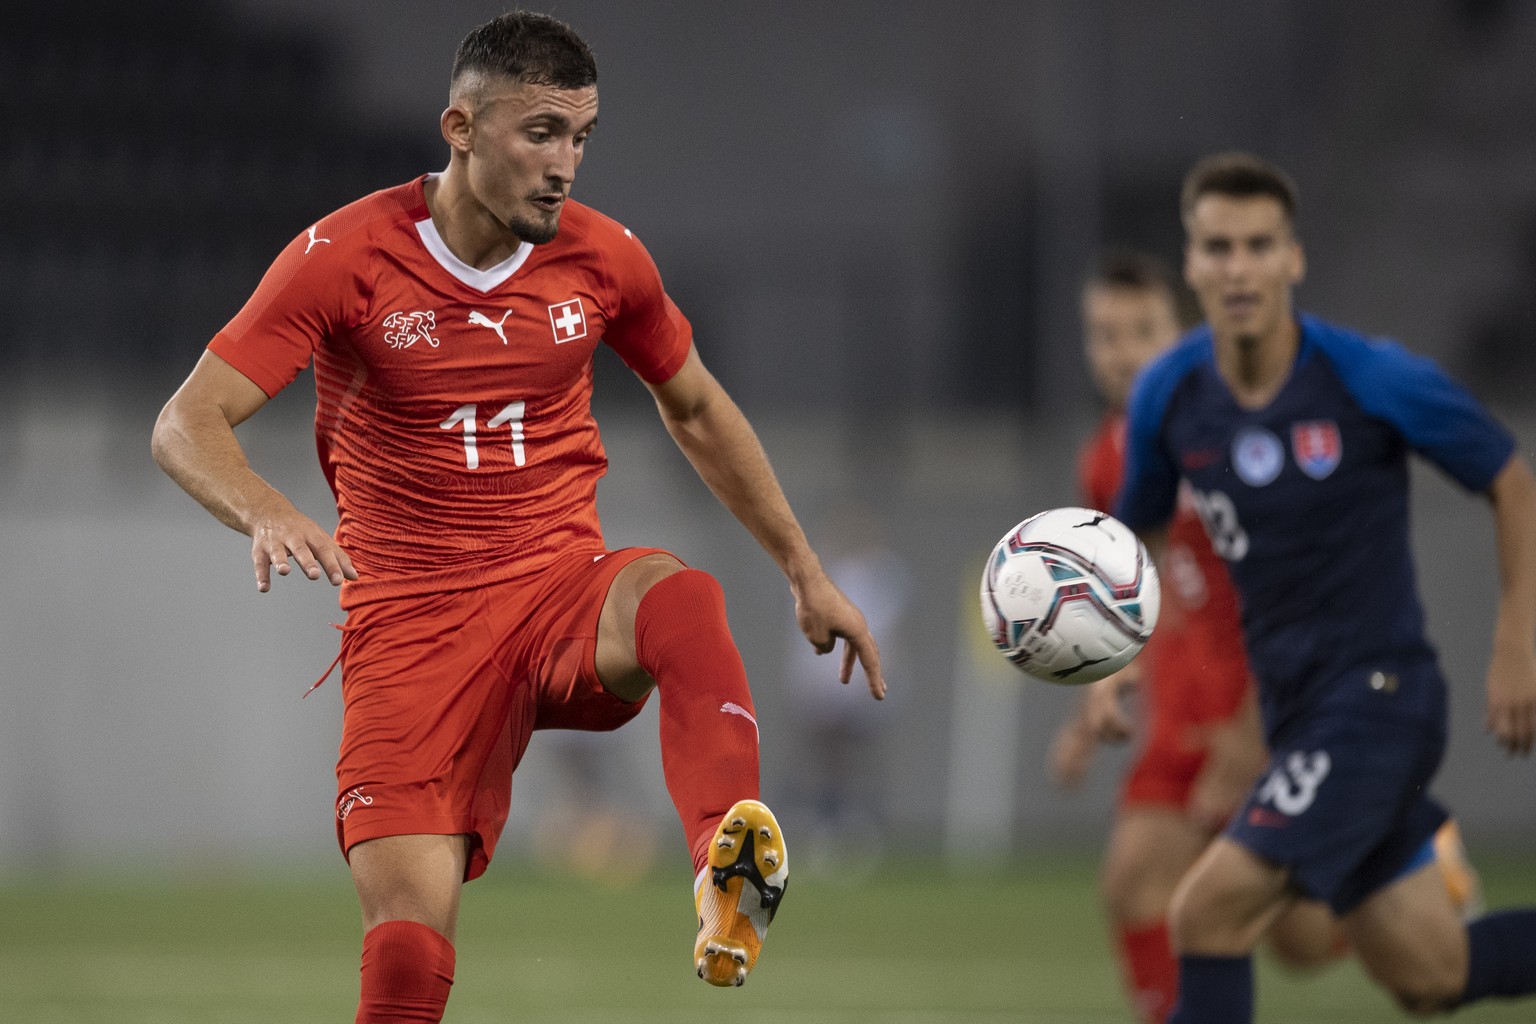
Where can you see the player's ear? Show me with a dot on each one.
(457, 123)
(1298, 262)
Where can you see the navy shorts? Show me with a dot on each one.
(1343, 804)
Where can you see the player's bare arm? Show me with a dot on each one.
(1072, 748)
(1103, 703)
(1237, 755)
(723, 448)
(194, 442)
(1512, 670)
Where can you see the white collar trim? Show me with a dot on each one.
(480, 280)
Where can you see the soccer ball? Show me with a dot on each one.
(1070, 596)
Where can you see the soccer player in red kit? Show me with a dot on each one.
(1201, 746)
(452, 322)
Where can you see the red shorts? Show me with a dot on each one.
(441, 693)
(1164, 771)
(1192, 690)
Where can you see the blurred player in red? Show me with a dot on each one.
(1201, 744)
(452, 322)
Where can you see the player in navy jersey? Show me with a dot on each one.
(1294, 435)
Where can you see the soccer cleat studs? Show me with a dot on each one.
(738, 892)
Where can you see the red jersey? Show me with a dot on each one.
(453, 416)
(1198, 639)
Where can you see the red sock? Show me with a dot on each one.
(708, 726)
(407, 970)
(1150, 971)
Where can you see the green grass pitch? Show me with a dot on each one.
(904, 945)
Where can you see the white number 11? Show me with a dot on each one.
(512, 414)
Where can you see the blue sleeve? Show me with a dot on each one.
(1436, 416)
(1151, 484)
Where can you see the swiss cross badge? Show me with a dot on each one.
(568, 320)
(1317, 447)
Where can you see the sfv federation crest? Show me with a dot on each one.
(1257, 455)
(1317, 446)
(402, 330)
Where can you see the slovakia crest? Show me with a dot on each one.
(1258, 456)
(1317, 446)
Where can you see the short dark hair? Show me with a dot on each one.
(1240, 175)
(531, 48)
(1122, 267)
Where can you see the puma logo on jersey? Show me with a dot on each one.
(313, 241)
(402, 330)
(479, 319)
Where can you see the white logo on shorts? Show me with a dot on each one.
(353, 797)
(1291, 788)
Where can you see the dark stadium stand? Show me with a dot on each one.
(156, 156)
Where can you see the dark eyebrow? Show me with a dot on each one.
(555, 120)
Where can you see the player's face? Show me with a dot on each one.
(525, 143)
(1123, 328)
(1241, 259)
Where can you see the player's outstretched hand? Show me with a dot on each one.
(1104, 706)
(284, 536)
(1512, 697)
(1235, 755)
(824, 614)
(1072, 748)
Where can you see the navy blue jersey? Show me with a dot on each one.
(1307, 498)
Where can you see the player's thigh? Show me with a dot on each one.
(1411, 939)
(1307, 936)
(410, 878)
(617, 665)
(1227, 901)
(1150, 848)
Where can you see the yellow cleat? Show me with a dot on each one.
(1461, 878)
(738, 892)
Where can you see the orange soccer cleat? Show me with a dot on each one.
(738, 892)
(1461, 878)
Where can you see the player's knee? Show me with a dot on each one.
(1305, 955)
(665, 579)
(671, 589)
(1419, 1004)
(1206, 919)
(645, 572)
(1133, 892)
(682, 611)
(1307, 939)
(1426, 990)
(1185, 919)
(1117, 884)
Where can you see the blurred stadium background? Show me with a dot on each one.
(875, 214)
